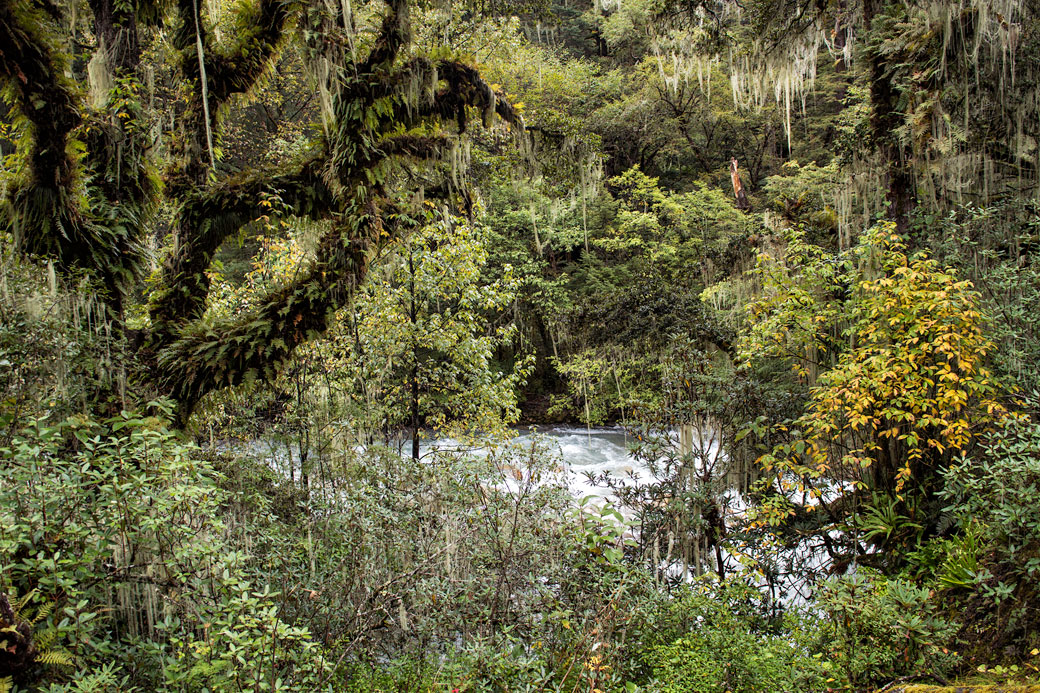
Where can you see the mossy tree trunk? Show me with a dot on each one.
(887, 115)
(92, 179)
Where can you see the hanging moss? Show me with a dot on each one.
(90, 210)
(946, 87)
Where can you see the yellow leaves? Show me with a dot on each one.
(902, 476)
(911, 383)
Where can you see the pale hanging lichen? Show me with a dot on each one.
(969, 116)
(99, 77)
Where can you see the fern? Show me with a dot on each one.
(57, 658)
(45, 638)
(45, 610)
(102, 680)
(21, 611)
(19, 608)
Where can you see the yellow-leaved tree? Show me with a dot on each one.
(896, 350)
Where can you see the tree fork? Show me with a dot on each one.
(256, 345)
(180, 354)
(234, 70)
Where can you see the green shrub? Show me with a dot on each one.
(732, 646)
(482, 665)
(117, 525)
(879, 629)
(994, 497)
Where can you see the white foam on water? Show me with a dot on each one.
(583, 451)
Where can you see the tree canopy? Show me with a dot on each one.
(762, 277)
(93, 182)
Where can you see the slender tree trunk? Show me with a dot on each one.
(415, 412)
(415, 360)
(115, 26)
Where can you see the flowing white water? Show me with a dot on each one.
(586, 452)
(583, 451)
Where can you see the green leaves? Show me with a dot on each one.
(430, 317)
(992, 494)
(878, 629)
(115, 526)
(729, 646)
(900, 352)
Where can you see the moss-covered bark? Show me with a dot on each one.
(89, 211)
(207, 357)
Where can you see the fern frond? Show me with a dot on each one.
(6, 684)
(56, 658)
(43, 612)
(20, 606)
(45, 638)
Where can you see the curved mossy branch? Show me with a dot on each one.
(423, 147)
(35, 71)
(233, 69)
(369, 87)
(236, 68)
(394, 34)
(208, 219)
(211, 356)
(211, 216)
(465, 88)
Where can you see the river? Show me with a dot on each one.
(583, 451)
(594, 451)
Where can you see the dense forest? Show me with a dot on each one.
(293, 291)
